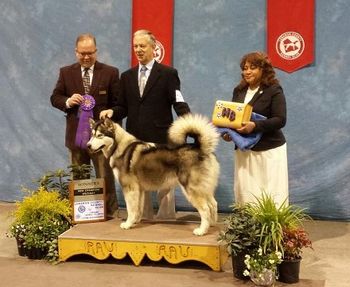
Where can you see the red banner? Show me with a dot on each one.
(290, 33)
(156, 16)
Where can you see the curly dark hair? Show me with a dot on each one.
(259, 59)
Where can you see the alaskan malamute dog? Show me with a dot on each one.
(141, 166)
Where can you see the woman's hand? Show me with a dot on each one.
(247, 128)
(226, 137)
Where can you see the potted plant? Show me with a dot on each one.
(38, 220)
(59, 179)
(294, 240)
(274, 219)
(241, 237)
(262, 266)
(45, 213)
(18, 231)
(258, 230)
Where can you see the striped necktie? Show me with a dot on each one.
(86, 81)
(143, 79)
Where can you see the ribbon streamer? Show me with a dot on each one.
(83, 131)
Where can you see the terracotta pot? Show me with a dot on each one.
(289, 271)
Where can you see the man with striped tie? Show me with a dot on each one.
(87, 86)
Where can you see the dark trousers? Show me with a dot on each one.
(102, 170)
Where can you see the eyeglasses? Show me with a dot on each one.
(89, 54)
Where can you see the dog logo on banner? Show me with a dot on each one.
(159, 52)
(290, 45)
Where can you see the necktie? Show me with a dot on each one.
(143, 79)
(86, 81)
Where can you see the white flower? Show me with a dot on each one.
(246, 272)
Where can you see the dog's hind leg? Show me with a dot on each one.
(200, 202)
(132, 198)
(204, 212)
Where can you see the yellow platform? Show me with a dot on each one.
(172, 241)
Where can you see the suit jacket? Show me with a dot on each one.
(149, 116)
(104, 88)
(269, 102)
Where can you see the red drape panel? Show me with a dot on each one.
(156, 16)
(290, 33)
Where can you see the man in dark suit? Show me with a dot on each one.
(147, 94)
(99, 80)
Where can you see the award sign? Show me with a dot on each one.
(87, 197)
(231, 114)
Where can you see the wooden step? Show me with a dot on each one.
(171, 240)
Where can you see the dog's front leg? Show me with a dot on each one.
(132, 198)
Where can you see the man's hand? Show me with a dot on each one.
(75, 99)
(106, 114)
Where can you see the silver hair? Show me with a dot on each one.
(152, 38)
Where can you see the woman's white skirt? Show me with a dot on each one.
(261, 171)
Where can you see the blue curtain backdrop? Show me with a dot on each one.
(37, 38)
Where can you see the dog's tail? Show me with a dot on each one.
(198, 127)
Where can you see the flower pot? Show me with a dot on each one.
(20, 247)
(36, 253)
(289, 271)
(239, 266)
(265, 278)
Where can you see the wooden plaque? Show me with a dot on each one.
(88, 200)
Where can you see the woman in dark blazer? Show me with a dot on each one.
(264, 167)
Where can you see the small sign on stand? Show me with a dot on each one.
(87, 197)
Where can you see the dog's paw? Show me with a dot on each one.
(199, 231)
(125, 225)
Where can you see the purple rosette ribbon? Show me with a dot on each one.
(85, 112)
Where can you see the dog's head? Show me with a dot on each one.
(102, 136)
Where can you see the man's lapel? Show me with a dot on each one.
(134, 80)
(77, 79)
(96, 78)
